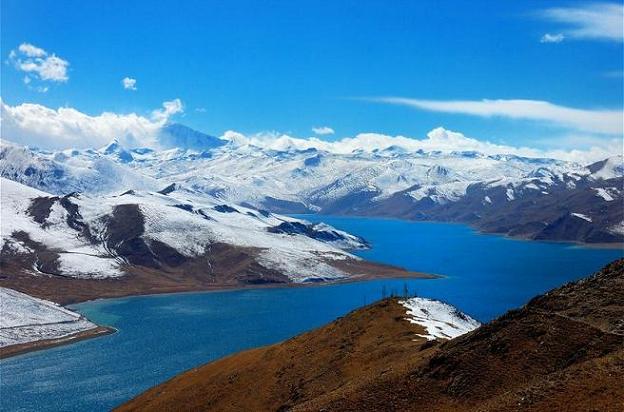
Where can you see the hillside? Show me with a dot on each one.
(78, 247)
(562, 351)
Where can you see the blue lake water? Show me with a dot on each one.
(160, 336)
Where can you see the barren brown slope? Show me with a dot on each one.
(363, 345)
(562, 351)
(225, 267)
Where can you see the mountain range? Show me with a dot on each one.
(534, 198)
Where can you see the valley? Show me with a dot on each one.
(305, 206)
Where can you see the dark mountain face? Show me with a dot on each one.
(562, 351)
(177, 135)
(581, 209)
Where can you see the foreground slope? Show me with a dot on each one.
(562, 351)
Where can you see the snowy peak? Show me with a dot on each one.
(111, 147)
(609, 168)
(116, 150)
(175, 135)
(286, 177)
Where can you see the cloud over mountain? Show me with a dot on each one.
(438, 139)
(37, 125)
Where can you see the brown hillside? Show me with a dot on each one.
(562, 351)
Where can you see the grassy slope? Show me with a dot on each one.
(562, 351)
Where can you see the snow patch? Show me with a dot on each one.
(603, 193)
(27, 319)
(510, 194)
(582, 216)
(617, 229)
(81, 265)
(440, 320)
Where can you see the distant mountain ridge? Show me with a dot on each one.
(536, 198)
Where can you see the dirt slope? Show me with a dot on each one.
(562, 351)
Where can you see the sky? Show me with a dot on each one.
(543, 74)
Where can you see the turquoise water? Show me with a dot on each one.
(160, 336)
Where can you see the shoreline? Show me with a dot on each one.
(140, 281)
(354, 279)
(101, 330)
(23, 348)
(578, 243)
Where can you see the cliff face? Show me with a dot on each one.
(563, 350)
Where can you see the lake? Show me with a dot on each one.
(160, 336)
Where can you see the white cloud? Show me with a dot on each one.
(169, 109)
(37, 125)
(592, 121)
(552, 38)
(323, 130)
(603, 21)
(31, 51)
(39, 64)
(129, 83)
(438, 139)
(200, 110)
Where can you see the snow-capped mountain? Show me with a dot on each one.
(522, 196)
(97, 237)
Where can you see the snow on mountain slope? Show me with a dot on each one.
(27, 319)
(608, 169)
(176, 135)
(284, 177)
(95, 237)
(63, 172)
(440, 320)
(23, 230)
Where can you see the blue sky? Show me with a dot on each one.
(287, 66)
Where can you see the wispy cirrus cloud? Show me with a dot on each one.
(39, 66)
(594, 121)
(614, 74)
(598, 21)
